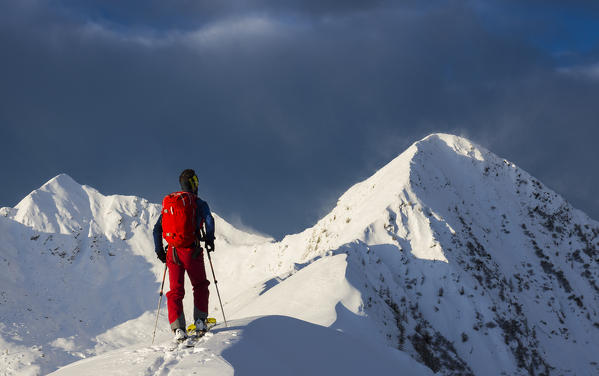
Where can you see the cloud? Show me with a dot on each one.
(275, 104)
(182, 15)
(214, 34)
(590, 72)
(234, 30)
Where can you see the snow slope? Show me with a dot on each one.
(267, 346)
(468, 263)
(74, 265)
(448, 257)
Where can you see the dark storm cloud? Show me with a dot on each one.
(183, 14)
(280, 106)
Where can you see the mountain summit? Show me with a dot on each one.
(450, 257)
(469, 263)
(465, 261)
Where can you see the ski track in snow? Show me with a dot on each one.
(267, 346)
(448, 259)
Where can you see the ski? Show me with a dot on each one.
(193, 335)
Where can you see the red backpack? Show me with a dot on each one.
(179, 223)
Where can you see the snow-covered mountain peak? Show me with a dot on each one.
(448, 253)
(519, 246)
(395, 178)
(369, 209)
(64, 206)
(61, 182)
(55, 207)
(436, 142)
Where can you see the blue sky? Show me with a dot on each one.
(558, 28)
(282, 106)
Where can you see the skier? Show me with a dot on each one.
(183, 216)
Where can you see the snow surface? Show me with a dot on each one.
(268, 346)
(449, 259)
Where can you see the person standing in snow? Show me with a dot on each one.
(181, 224)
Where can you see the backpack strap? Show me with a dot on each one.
(175, 257)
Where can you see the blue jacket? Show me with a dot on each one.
(203, 213)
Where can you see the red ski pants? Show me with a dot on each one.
(178, 261)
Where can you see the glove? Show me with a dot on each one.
(161, 254)
(209, 244)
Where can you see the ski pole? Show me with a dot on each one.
(159, 303)
(203, 238)
(216, 285)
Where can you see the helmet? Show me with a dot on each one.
(189, 181)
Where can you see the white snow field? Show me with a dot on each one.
(270, 345)
(448, 260)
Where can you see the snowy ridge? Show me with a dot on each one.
(66, 251)
(459, 252)
(74, 265)
(450, 257)
(459, 258)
